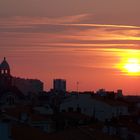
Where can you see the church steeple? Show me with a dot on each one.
(5, 76)
(4, 67)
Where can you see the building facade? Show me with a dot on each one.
(59, 85)
(9, 94)
(12, 89)
(5, 75)
(28, 85)
(98, 108)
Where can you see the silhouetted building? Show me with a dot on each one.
(9, 94)
(28, 85)
(59, 85)
(110, 94)
(5, 76)
(119, 93)
(94, 106)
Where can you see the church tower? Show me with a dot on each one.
(5, 76)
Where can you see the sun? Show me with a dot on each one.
(131, 66)
(128, 63)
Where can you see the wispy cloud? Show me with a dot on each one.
(73, 21)
(21, 21)
(66, 32)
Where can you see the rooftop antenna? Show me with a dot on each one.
(77, 86)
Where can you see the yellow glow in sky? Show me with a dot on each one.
(132, 66)
(129, 63)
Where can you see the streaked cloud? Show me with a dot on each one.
(22, 20)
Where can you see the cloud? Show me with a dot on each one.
(65, 32)
(71, 21)
(21, 20)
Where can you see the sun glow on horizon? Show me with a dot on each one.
(129, 63)
(132, 66)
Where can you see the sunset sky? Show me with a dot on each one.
(94, 42)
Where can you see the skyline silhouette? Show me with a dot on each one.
(5, 67)
(93, 42)
(70, 69)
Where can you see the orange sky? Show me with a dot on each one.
(89, 44)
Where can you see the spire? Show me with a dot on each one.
(4, 64)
